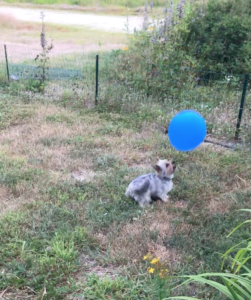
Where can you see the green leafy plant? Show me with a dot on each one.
(235, 284)
(159, 276)
(219, 35)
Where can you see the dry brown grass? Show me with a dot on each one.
(219, 206)
(24, 141)
(7, 21)
(13, 200)
(135, 239)
(5, 199)
(13, 293)
(225, 201)
(74, 144)
(23, 38)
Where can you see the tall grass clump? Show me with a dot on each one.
(234, 283)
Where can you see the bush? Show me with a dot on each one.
(220, 35)
(189, 46)
(155, 60)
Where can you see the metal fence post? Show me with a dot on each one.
(7, 65)
(96, 88)
(247, 76)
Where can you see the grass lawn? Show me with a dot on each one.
(68, 231)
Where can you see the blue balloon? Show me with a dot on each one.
(187, 130)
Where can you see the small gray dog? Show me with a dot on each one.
(152, 187)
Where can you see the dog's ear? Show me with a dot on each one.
(157, 168)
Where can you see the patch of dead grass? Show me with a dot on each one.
(19, 294)
(12, 200)
(25, 140)
(6, 200)
(91, 266)
(170, 256)
(224, 203)
(219, 206)
(142, 236)
(8, 21)
(83, 175)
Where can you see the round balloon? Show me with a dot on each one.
(187, 130)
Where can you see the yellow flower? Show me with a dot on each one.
(151, 270)
(154, 261)
(147, 256)
(126, 48)
(163, 273)
(150, 28)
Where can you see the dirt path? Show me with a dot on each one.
(93, 21)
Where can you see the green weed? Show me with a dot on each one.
(44, 246)
(59, 118)
(13, 172)
(105, 162)
(117, 288)
(11, 112)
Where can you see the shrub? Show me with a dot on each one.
(169, 54)
(220, 35)
(156, 60)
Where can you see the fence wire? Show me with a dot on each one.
(162, 92)
(215, 95)
(67, 75)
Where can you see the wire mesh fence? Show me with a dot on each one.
(77, 76)
(215, 95)
(66, 75)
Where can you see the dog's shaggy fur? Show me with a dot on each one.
(151, 187)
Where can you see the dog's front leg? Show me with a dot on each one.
(165, 198)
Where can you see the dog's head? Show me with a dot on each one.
(165, 168)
